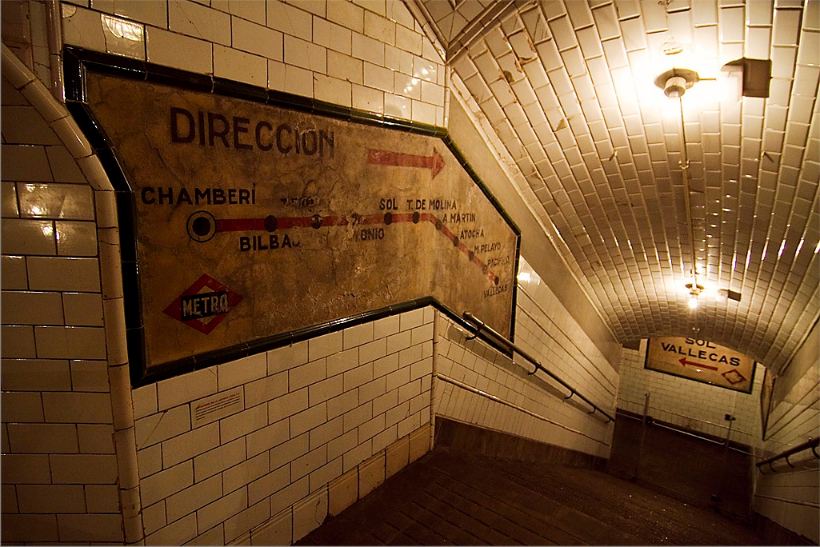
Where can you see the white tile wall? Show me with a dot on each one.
(789, 497)
(313, 49)
(557, 341)
(59, 470)
(690, 404)
(310, 413)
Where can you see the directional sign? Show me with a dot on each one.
(701, 361)
(387, 157)
(253, 221)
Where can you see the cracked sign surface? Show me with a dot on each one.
(253, 220)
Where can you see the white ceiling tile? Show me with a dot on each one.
(562, 33)
(634, 36)
(776, 116)
(522, 46)
(487, 67)
(535, 73)
(627, 8)
(547, 98)
(759, 12)
(524, 92)
(797, 134)
(757, 42)
(536, 25)
(704, 12)
(615, 53)
(786, 27)
(548, 53)
(792, 157)
(574, 62)
(511, 24)
(579, 14)
(731, 24)
(809, 46)
(584, 89)
(773, 140)
(680, 27)
(598, 71)
(606, 21)
(801, 107)
(806, 80)
(796, 4)
(553, 8)
(811, 18)
(783, 61)
(560, 81)
(478, 88)
(654, 15)
(497, 42)
(590, 42)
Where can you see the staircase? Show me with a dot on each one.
(453, 497)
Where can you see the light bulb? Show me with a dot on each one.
(693, 303)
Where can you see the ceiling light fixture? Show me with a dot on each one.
(694, 291)
(676, 81)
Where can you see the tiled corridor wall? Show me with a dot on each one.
(546, 331)
(790, 497)
(298, 432)
(366, 54)
(693, 405)
(59, 469)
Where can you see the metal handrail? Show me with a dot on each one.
(812, 444)
(672, 427)
(519, 408)
(479, 327)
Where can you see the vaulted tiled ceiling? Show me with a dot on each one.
(567, 89)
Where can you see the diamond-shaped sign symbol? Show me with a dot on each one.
(204, 304)
(733, 377)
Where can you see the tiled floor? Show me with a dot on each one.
(447, 499)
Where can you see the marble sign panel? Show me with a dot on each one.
(253, 220)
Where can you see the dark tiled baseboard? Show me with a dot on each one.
(464, 438)
(775, 534)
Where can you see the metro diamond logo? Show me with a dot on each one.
(203, 305)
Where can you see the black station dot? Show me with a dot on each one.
(270, 223)
(201, 226)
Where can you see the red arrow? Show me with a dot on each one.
(684, 362)
(385, 157)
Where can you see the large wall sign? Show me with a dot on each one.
(701, 361)
(253, 220)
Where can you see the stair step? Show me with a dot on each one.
(465, 499)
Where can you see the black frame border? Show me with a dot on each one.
(77, 62)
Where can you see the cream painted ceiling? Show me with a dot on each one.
(566, 88)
